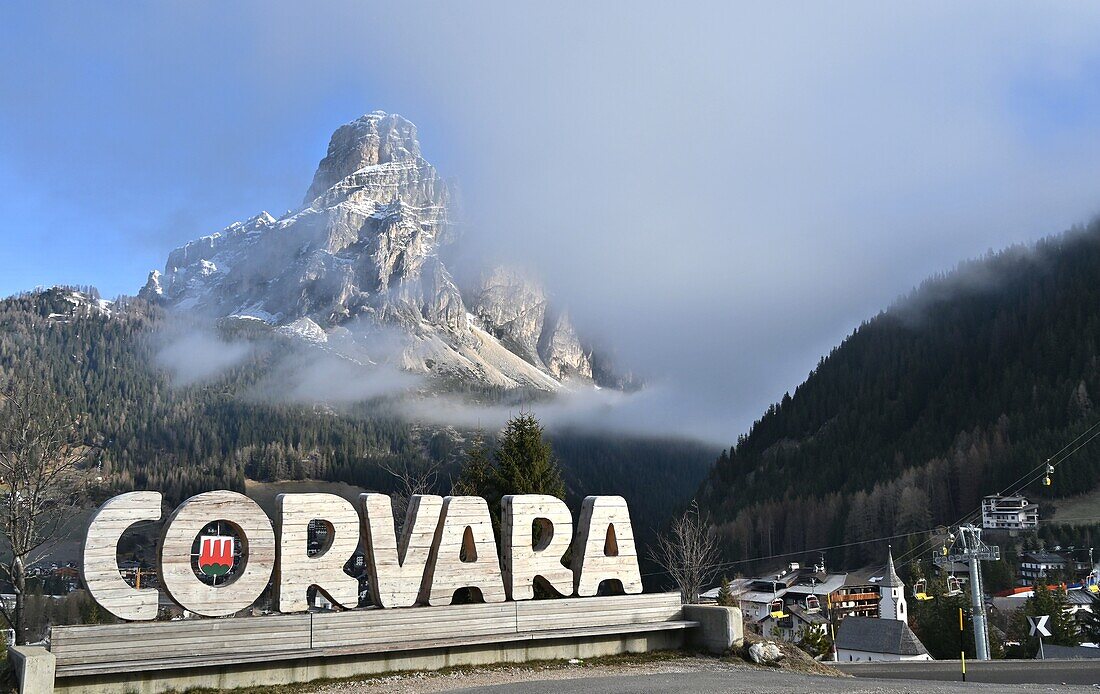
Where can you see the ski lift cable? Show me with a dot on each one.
(1053, 461)
(1031, 476)
(809, 550)
(929, 542)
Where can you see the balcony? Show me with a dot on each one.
(855, 597)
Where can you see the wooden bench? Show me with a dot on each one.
(199, 643)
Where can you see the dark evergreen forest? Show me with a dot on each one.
(952, 393)
(182, 440)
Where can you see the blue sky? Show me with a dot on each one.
(701, 183)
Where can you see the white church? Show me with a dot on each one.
(886, 638)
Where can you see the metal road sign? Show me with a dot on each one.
(1039, 625)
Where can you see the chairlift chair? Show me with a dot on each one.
(776, 607)
(920, 590)
(954, 587)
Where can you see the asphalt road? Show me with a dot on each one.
(754, 681)
(1082, 672)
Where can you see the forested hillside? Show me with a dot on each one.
(185, 439)
(952, 393)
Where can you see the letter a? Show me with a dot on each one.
(464, 554)
(604, 549)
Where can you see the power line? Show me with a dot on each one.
(811, 550)
(1032, 475)
(908, 557)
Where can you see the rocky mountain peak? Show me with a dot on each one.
(371, 140)
(364, 253)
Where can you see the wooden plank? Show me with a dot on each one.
(366, 630)
(362, 627)
(297, 571)
(174, 555)
(600, 611)
(199, 638)
(178, 663)
(100, 555)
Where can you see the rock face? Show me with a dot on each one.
(517, 312)
(362, 257)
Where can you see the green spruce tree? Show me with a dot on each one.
(1054, 603)
(725, 595)
(523, 463)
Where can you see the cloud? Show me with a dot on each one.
(310, 376)
(719, 192)
(195, 355)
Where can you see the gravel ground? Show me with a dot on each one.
(679, 674)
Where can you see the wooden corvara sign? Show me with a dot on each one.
(446, 544)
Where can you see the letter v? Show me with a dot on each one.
(397, 576)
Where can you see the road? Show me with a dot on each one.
(756, 681)
(1083, 672)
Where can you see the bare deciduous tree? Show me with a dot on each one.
(689, 553)
(410, 481)
(44, 471)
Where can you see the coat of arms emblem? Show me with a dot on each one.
(216, 554)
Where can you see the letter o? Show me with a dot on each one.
(258, 546)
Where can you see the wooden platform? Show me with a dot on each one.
(198, 643)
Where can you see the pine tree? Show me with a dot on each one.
(476, 477)
(525, 463)
(1089, 621)
(725, 595)
(1053, 603)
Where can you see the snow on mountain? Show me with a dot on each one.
(363, 254)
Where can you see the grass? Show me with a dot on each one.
(1082, 509)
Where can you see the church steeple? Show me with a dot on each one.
(891, 591)
(891, 577)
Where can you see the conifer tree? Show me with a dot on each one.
(1089, 621)
(523, 463)
(725, 595)
(1053, 603)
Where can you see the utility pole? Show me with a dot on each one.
(967, 548)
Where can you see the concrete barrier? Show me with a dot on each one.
(34, 668)
(720, 628)
(306, 669)
(153, 657)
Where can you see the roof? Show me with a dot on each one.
(1070, 652)
(863, 577)
(890, 579)
(825, 585)
(807, 617)
(873, 635)
(1078, 597)
(1044, 558)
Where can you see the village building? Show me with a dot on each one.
(1009, 513)
(891, 590)
(869, 639)
(857, 597)
(1041, 567)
